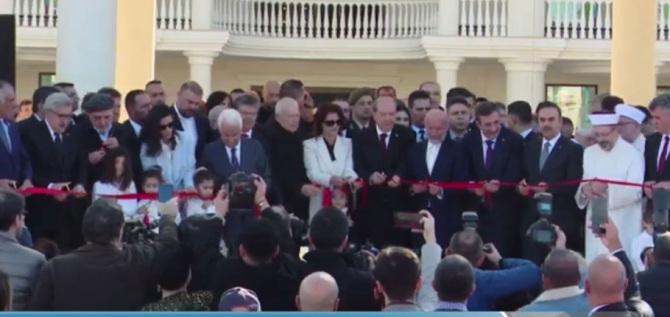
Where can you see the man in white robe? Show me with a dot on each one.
(612, 158)
(630, 125)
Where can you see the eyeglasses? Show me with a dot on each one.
(330, 123)
(167, 126)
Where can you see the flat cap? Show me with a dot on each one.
(98, 103)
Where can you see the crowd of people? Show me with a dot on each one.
(334, 184)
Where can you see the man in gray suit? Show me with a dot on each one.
(20, 263)
(233, 153)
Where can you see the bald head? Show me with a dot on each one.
(561, 269)
(436, 123)
(271, 92)
(606, 276)
(318, 292)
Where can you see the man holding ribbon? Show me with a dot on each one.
(613, 169)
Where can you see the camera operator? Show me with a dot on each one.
(328, 236)
(281, 218)
(110, 276)
(273, 275)
(510, 276)
(654, 286)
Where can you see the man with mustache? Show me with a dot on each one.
(612, 158)
(549, 159)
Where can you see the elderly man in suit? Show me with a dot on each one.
(231, 154)
(15, 169)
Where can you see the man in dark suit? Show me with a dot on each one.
(494, 156)
(520, 120)
(138, 105)
(39, 96)
(657, 146)
(360, 101)
(548, 159)
(187, 109)
(459, 118)
(232, 154)
(58, 163)
(15, 169)
(380, 155)
(110, 276)
(439, 160)
(654, 287)
(101, 134)
(470, 99)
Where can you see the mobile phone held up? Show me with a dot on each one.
(407, 220)
(598, 214)
(165, 192)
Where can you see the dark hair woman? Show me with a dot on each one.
(402, 114)
(328, 156)
(218, 98)
(164, 146)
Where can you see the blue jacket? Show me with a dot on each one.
(514, 275)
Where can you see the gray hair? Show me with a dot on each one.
(283, 104)
(662, 100)
(56, 100)
(229, 117)
(248, 100)
(3, 85)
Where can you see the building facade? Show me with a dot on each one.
(503, 50)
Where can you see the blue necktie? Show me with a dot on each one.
(233, 160)
(5, 136)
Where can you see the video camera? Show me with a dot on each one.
(360, 255)
(241, 190)
(136, 232)
(661, 203)
(470, 220)
(542, 231)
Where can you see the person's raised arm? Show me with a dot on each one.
(431, 253)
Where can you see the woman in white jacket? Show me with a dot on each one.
(328, 156)
(167, 148)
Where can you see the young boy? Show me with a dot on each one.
(203, 180)
(644, 240)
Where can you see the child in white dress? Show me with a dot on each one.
(147, 212)
(117, 179)
(203, 180)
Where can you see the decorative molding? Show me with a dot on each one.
(524, 65)
(343, 81)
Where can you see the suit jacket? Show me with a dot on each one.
(177, 165)
(14, 164)
(202, 127)
(27, 125)
(90, 141)
(654, 288)
(531, 136)
(563, 164)
(450, 166)
(102, 277)
(250, 155)
(131, 142)
(506, 168)
(320, 167)
(608, 310)
(651, 151)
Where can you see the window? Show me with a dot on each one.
(662, 90)
(46, 79)
(574, 101)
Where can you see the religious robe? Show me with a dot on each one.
(639, 143)
(625, 164)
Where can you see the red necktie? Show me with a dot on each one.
(382, 142)
(664, 155)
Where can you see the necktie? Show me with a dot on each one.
(544, 154)
(664, 154)
(58, 142)
(382, 142)
(146, 220)
(233, 159)
(489, 154)
(422, 135)
(5, 136)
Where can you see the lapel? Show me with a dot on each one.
(479, 152)
(444, 149)
(225, 160)
(534, 160)
(201, 127)
(499, 149)
(245, 156)
(656, 146)
(374, 147)
(423, 157)
(392, 147)
(67, 139)
(322, 155)
(177, 120)
(554, 155)
(50, 146)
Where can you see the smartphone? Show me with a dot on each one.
(165, 192)
(544, 204)
(407, 220)
(598, 214)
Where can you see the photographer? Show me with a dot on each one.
(109, 276)
(328, 237)
(654, 286)
(273, 275)
(509, 277)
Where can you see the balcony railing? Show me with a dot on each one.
(323, 19)
(483, 18)
(170, 14)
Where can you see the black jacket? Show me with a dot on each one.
(356, 286)
(655, 289)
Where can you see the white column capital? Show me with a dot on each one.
(447, 63)
(201, 57)
(525, 65)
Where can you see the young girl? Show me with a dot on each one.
(340, 200)
(203, 180)
(148, 211)
(117, 179)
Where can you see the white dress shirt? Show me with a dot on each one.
(188, 124)
(552, 142)
(238, 153)
(129, 206)
(388, 136)
(432, 150)
(525, 133)
(136, 127)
